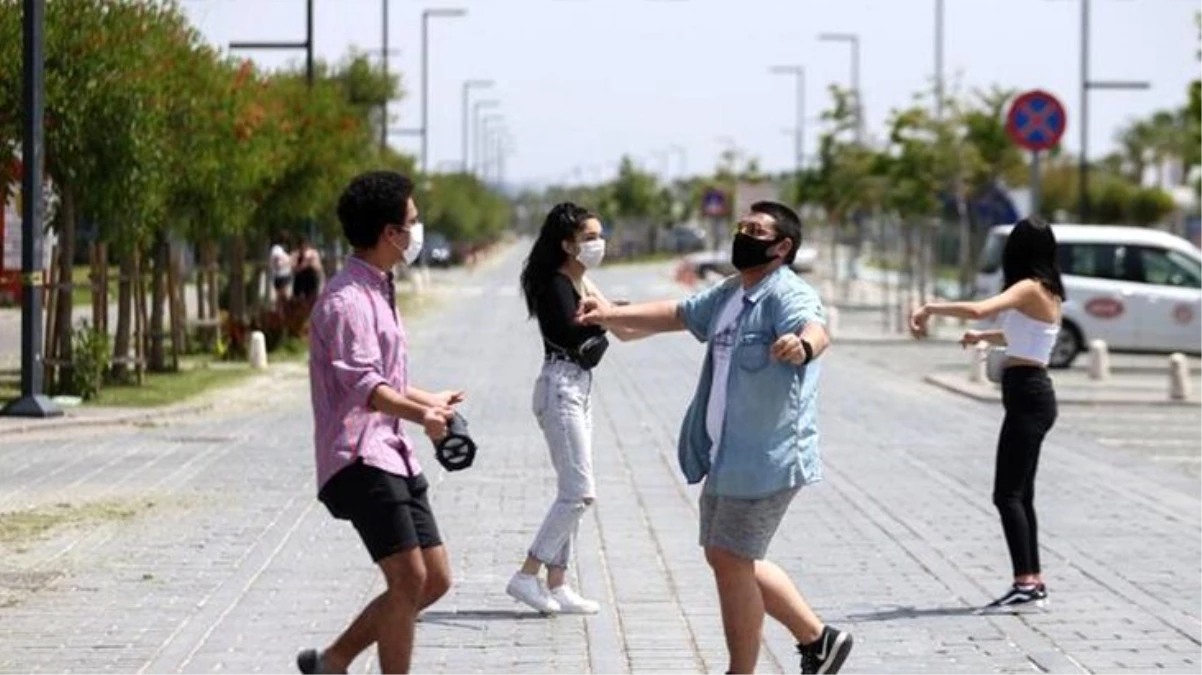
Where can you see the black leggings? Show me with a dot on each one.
(1030, 404)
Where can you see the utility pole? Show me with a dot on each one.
(33, 402)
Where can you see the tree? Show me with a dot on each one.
(107, 100)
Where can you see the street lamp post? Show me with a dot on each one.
(477, 132)
(939, 59)
(486, 139)
(307, 45)
(33, 402)
(854, 42)
(799, 73)
(384, 62)
(1083, 205)
(426, 15)
(467, 121)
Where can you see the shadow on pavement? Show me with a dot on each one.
(464, 618)
(911, 613)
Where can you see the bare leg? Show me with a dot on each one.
(742, 607)
(784, 603)
(388, 619)
(531, 566)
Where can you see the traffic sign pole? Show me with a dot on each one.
(1036, 183)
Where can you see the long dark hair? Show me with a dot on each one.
(1030, 253)
(547, 254)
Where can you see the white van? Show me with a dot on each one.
(1137, 289)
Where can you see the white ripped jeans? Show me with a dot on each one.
(563, 408)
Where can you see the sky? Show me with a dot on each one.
(674, 83)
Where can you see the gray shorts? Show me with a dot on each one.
(744, 527)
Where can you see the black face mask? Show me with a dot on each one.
(749, 252)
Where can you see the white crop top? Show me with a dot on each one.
(1028, 338)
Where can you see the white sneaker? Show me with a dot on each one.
(530, 590)
(570, 602)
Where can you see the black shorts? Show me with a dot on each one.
(391, 513)
(280, 283)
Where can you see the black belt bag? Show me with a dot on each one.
(588, 354)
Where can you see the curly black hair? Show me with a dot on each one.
(371, 201)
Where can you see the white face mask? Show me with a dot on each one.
(591, 253)
(417, 235)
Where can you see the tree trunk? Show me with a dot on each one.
(175, 305)
(202, 251)
(64, 308)
(158, 361)
(49, 337)
(94, 286)
(121, 344)
(139, 316)
(102, 255)
(237, 279)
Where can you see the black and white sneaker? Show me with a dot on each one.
(309, 662)
(1020, 598)
(827, 653)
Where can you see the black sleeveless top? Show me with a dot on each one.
(557, 318)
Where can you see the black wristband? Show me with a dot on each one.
(808, 349)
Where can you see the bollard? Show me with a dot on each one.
(1179, 377)
(832, 321)
(1099, 360)
(258, 350)
(979, 355)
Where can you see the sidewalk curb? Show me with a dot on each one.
(69, 421)
(990, 395)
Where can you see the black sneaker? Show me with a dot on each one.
(1020, 598)
(309, 662)
(827, 653)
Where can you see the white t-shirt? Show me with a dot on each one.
(722, 347)
(281, 263)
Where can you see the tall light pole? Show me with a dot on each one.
(467, 121)
(853, 41)
(384, 61)
(427, 14)
(307, 45)
(486, 139)
(1083, 205)
(684, 159)
(799, 73)
(33, 402)
(477, 132)
(939, 59)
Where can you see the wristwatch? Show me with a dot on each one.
(808, 348)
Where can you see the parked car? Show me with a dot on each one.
(705, 263)
(1135, 288)
(686, 239)
(436, 251)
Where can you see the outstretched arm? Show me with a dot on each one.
(1011, 298)
(645, 317)
(622, 333)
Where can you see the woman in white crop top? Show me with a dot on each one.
(1029, 305)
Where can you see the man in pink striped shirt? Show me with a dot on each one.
(367, 471)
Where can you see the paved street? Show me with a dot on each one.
(196, 545)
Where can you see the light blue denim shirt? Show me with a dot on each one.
(770, 435)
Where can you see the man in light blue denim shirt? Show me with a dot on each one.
(750, 432)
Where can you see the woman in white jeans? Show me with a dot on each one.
(553, 283)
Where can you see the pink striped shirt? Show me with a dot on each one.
(357, 343)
